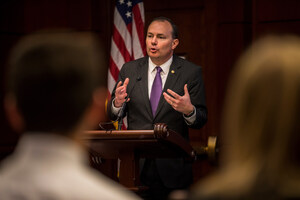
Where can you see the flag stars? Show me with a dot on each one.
(121, 2)
(128, 14)
(129, 3)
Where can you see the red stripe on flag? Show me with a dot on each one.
(129, 28)
(114, 71)
(121, 45)
(139, 26)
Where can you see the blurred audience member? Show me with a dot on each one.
(56, 89)
(261, 151)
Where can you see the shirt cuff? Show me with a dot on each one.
(114, 109)
(190, 119)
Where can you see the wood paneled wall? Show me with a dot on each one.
(212, 33)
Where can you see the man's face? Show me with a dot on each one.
(159, 42)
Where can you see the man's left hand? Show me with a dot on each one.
(180, 103)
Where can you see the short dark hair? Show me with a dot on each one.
(53, 77)
(174, 27)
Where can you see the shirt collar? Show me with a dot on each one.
(51, 145)
(165, 67)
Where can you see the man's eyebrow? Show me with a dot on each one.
(159, 34)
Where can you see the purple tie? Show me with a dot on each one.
(156, 90)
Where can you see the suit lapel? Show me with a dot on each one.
(170, 83)
(143, 69)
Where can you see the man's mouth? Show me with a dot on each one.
(153, 50)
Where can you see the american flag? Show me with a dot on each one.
(127, 40)
(128, 37)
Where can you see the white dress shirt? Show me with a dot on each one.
(163, 74)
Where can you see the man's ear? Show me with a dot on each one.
(175, 43)
(96, 112)
(13, 114)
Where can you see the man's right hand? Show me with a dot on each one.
(121, 93)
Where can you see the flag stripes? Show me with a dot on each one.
(128, 37)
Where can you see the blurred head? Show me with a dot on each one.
(161, 40)
(54, 80)
(261, 138)
(262, 111)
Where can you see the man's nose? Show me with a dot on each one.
(154, 40)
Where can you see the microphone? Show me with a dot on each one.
(121, 112)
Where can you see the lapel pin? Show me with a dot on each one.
(172, 71)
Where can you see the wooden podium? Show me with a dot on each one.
(131, 145)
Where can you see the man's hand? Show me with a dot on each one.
(121, 93)
(180, 103)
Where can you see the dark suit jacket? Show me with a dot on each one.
(175, 173)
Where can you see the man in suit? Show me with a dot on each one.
(180, 104)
